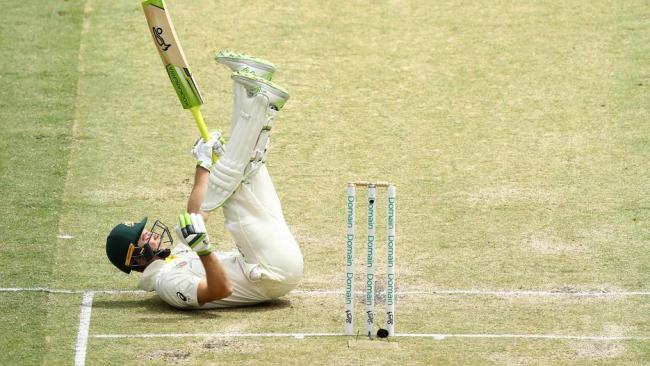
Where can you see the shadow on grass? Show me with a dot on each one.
(154, 305)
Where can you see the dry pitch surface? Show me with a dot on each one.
(517, 134)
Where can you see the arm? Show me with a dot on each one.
(201, 177)
(216, 284)
(204, 153)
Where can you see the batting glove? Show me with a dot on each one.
(203, 151)
(191, 231)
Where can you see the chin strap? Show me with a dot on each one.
(163, 253)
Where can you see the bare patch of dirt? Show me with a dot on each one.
(548, 243)
(499, 196)
(602, 288)
(598, 349)
(236, 345)
(602, 349)
(169, 356)
(599, 234)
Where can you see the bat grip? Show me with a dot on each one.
(203, 129)
(200, 123)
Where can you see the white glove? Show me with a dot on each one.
(191, 231)
(203, 151)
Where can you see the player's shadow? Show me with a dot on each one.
(154, 305)
(271, 305)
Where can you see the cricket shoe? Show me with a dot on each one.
(254, 84)
(238, 62)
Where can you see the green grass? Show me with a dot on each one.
(415, 352)
(37, 108)
(516, 133)
(416, 314)
(40, 42)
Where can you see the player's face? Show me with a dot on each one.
(153, 239)
(152, 244)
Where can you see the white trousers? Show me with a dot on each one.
(269, 262)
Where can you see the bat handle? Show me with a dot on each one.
(203, 129)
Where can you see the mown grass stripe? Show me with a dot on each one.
(39, 74)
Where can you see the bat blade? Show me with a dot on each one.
(172, 55)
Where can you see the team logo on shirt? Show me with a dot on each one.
(181, 296)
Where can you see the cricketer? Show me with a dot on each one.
(188, 272)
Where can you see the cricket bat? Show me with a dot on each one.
(173, 57)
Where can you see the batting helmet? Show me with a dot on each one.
(119, 241)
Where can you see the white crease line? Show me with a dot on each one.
(64, 291)
(525, 336)
(489, 293)
(84, 326)
(437, 336)
(513, 293)
(535, 293)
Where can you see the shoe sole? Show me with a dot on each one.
(254, 81)
(253, 62)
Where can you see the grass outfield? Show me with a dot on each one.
(517, 134)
